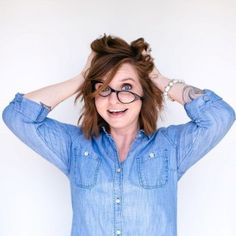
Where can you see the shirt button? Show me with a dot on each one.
(118, 170)
(118, 232)
(139, 135)
(117, 200)
(206, 98)
(151, 154)
(86, 153)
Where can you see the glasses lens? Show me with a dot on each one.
(126, 97)
(104, 92)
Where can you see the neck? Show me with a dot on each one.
(124, 138)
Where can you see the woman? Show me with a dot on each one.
(123, 170)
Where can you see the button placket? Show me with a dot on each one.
(117, 199)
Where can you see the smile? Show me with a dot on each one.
(116, 111)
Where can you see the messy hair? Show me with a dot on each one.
(110, 53)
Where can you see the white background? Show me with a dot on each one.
(45, 42)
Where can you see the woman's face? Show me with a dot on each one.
(118, 115)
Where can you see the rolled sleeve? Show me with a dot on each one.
(48, 137)
(211, 118)
(31, 110)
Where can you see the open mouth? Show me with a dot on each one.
(116, 112)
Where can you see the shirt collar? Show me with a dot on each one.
(140, 133)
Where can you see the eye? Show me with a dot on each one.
(99, 85)
(106, 89)
(126, 87)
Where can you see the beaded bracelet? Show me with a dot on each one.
(169, 86)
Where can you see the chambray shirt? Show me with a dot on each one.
(135, 197)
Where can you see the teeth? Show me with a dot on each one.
(116, 110)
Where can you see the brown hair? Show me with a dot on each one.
(110, 53)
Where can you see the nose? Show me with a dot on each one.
(113, 98)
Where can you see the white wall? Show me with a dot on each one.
(44, 42)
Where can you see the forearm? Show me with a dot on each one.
(180, 92)
(54, 94)
(175, 92)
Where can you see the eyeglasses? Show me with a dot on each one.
(122, 95)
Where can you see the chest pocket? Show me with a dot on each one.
(152, 169)
(86, 168)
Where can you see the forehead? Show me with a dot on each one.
(125, 72)
(127, 68)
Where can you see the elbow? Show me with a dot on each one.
(223, 121)
(11, 118)
(7, 116)
(217, 123)
(228, 116)
(221, 117)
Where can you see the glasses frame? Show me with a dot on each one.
(136, 96)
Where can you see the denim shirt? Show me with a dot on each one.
(135, 197)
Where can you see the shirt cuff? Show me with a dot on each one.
(29, 108)
(196, 106)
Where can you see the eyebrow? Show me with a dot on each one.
(125, 79)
